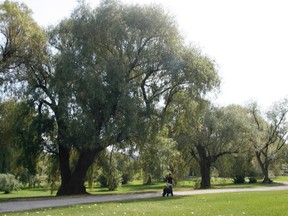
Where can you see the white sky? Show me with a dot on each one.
(248, 39)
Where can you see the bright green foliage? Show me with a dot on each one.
(119, 67)
(7, 136)
(122, 61)
(208, 133)
(28, 129)
(269, 133)
(23, 42)
(159, 157)
(8, 183)
(111, 174)
(126, 164)
(110, 76)
(240, 164)
(20, 137)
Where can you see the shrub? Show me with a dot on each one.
(125, 178)
(252, 180)
(197, 184)
(111, 181)
(103, 181)
(239, 179)
(114, 179)
(9, 183)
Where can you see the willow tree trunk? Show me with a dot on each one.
(264, 168)
(205, 167)
(73, 183)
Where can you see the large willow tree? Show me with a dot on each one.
(108, 73)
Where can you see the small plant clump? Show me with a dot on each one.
(9, 183)
(252, 180)
(239, 179)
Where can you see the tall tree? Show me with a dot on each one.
(269, 134)
(30, 134)
(20, 137)
(208, 133)
(111, 70)
(131, 61)
(7, 134)
(160, 157)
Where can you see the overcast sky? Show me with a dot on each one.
(248, 39)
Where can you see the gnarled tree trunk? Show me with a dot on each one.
(205, 167)
(73, 183)
(204, 161)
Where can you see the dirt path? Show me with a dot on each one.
(23, 205)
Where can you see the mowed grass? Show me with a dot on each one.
(225, 204)
(137, 187)
(245, 203)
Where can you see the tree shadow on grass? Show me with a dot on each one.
(154, 199)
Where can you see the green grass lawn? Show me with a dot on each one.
(225, 204)
(244, 203)
(138, 187)
(280, 179)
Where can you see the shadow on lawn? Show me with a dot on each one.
(245, 185)
(154, 199)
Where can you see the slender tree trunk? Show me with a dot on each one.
(264, 168)
(75, 184)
